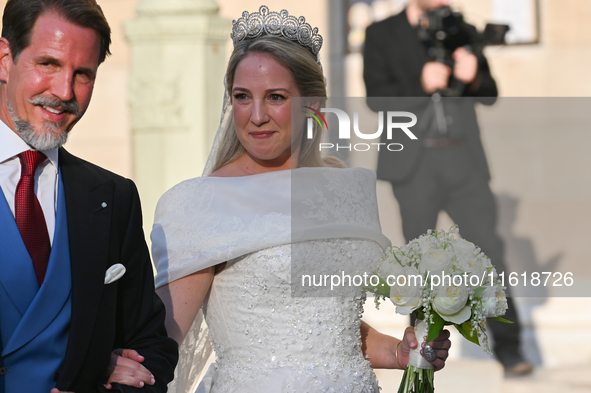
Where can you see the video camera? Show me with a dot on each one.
(443, 31)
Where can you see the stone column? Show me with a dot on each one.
(176, 91)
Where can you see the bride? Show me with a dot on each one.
(268, 211)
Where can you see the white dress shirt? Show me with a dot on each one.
(11, 145)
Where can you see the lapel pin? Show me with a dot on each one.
(103, 205)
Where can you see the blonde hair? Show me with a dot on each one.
(309, 80)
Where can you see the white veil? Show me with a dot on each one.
(196, 349)
(225, 119)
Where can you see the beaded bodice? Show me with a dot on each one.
(261, 332)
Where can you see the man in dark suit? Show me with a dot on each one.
(445, 168)
(76, 281)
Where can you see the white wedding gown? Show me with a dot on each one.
(267, 340)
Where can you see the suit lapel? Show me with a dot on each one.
(88, 201)
(18, 275)
(53, 294)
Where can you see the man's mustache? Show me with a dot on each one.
(54, 102)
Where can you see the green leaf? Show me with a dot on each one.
(381, 289)
(401, 389)
(435, 327)
(478, 291)
(500, 319)
(465, 329)
(419, 313)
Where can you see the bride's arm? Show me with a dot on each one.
(381, 349)
(385, 351)
(182, 299)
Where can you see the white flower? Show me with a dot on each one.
(473, 267)
(463, 248)
(494, 301)
(450, 303)
(406, 297)
(390, 256)
(494, 273)
(436, 261)
(486, 262)
(426, 243)
(469, 260)
(390, 267)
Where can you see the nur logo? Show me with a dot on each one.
(344, 122)
(316, 115)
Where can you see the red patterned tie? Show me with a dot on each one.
(29, 215)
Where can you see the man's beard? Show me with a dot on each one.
(49, 137)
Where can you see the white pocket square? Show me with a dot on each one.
(114, 273)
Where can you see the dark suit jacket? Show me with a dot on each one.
(126, 313)
(393, 60)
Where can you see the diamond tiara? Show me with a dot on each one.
(276, 23)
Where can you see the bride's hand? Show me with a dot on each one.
(441, 345)
(125, 369)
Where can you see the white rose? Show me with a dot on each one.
(436, 261)
(425, 242)
(494, 301)
(489, 277)
(463, 248)
(471, 262)
(450, 303)
(473, 267)
(407, 297)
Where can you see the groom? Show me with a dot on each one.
(76, 280)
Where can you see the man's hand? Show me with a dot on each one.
(125, 368)
(441, 345)
(435, 76)
(466, 65)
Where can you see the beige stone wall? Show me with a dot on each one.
(557, 66)
(103, 136)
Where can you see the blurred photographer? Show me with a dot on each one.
(444, 73)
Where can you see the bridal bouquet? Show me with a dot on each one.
(445, 281)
